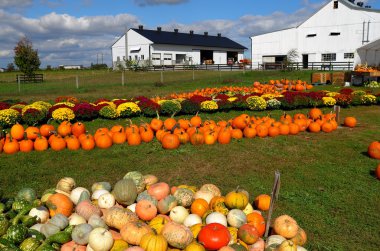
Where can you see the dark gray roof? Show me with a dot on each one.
(166, 37)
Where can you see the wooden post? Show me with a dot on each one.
(273, 199)
(77, 81)
(19, 83)
(122, 78)
(193, 73)
(337, 112)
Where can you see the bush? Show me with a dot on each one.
(108, 112)
(256, 103)
(9, 117)
(169, 107)
(128, 109)
(33, 116)
(188, 107)
(85, 111)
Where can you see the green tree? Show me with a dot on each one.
(26, 58)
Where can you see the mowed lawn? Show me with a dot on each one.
(327, 180)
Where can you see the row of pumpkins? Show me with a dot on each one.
(171, 133)
(140, 213)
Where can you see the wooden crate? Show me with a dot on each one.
(321, 78)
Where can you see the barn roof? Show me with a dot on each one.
(178, 38)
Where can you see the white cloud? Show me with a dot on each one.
(15, 3)
(65, 39)
(157, 2)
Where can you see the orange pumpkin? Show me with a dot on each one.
(257, 220)
(315, 113)
(199, 207)
(377, 172)
(17, 131)
(87, 143)
(196, 121)
(26, 145)
(145, 210)
(170, 141)
(169, 123)
(236, 134)
(46, 130)
(64, 128)
(249, 131)
(132, 232)
(78, 128)
(32, 132)
(224, 136)
(11, 146)
(350, 122)
(58, 143)
(262, 202)
(285, 226)
(59, 204)
(41, 143)
(103, 141)
(72, 143)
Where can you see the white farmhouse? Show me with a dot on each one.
(332, 34)
(169, 48)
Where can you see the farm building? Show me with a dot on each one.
(332, 34)
(170, 48)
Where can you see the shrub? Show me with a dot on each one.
(368, 99)
(256, 103)
(209, 106)
(273, 104)
(85, 111)
(188, 107)
(148, 107)
(128, 109)
(169, 107)
(108, 112)
(329, 101)
(9, 117)
(63, 114)
(32, 116)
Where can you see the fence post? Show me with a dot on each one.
(19, 83)
(77, 81)
(162, 76)
(122, 78)
(193, 73)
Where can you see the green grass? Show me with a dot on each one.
(326, 179)
(327, 183)
(108, 84)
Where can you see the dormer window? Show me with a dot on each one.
(334, 33)
(336, 4)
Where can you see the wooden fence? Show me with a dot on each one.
(35, 78)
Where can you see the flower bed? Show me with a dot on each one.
(257, 97)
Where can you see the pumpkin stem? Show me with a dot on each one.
(25, 136)
(174, 113)
(158, 116)
(174, 127)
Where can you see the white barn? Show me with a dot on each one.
(332, 34)
(169, 48)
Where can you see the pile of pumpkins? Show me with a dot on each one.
(171, 133)
(140, 213)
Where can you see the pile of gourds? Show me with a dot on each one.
(171, 133)
(140, 213)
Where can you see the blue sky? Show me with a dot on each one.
(75, 31)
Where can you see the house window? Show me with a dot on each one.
(118, 59)
(156, 56)
(311, 35)
(334, 33)
(136, 57)
(348, 55)
(336, 4)
(142, 57)
(124, 58)
(329, 57)
(167, 56)
(130, 58)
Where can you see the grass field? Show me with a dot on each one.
(96, 84)
(327, 181)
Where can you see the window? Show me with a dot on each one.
(136, 57)
(167, 56)
(329, 57)
(118, 59)
(156, 56)
(348, 55)
(336, 4)
(130, 58)
(311, 35)
(124, 58)
(334, 33)
(142, 57)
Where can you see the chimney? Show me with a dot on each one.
(141, 27)
(219, 34)
(206, 33)
(175, 30)
(191, 32)
(158, 29)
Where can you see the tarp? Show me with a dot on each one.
(368, 54)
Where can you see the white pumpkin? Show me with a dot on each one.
(42, 213)
(236, 218)
(97, 193)
(66, 184)
(206, 195)
(191, 220)
(216, 217)
(76, 193)
(299, 248)
(248, 209)
(100, 239)
(76, 219)
(106, 200)
(88, 248)
(178, 214)
(273, 242)
(132, 207)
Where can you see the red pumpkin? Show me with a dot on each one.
(214, 236)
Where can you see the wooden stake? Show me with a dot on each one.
(273, 199)
(337, 112)
(77, 81)
(122, 78)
